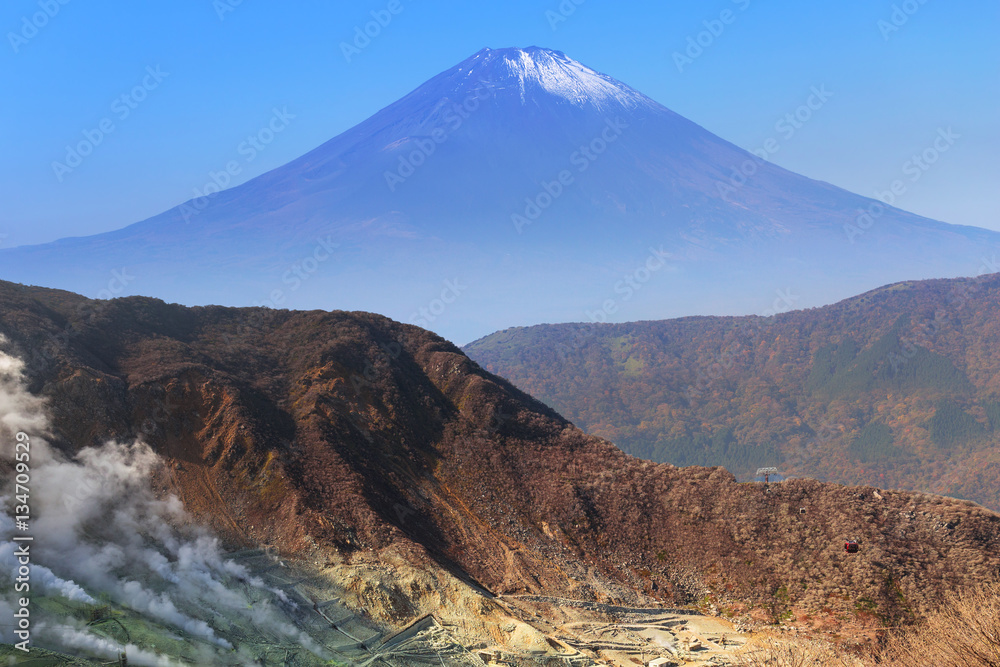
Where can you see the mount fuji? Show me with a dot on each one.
(517, 187)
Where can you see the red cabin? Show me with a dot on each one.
(851, 547)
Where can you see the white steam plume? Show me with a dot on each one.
(99, 531)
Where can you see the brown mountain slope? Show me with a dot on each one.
(349, 433)
(899, 387)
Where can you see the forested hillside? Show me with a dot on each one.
(899, 387)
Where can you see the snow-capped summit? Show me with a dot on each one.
(513, 84)
(519, 186)
(535, 69)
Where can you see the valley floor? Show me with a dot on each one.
(508, 630)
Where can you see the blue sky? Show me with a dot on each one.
(210, 73)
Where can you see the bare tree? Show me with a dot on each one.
(775, 652)
(963, 632)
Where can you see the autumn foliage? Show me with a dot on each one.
(896, 388)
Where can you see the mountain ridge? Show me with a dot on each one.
(895, 387)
